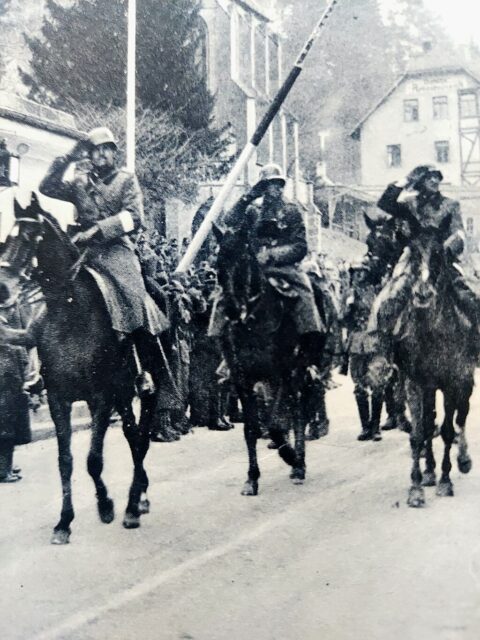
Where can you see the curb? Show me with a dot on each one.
(46, 430)
(42, 425)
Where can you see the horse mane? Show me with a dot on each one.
(55, 253)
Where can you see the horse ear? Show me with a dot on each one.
(18, 210)
(369, 222)
(35, 206)
(217, 232)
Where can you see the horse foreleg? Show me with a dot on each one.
(445, 486)
(416, 495)
(429, 477)
(100, 410)
(463, 459)
(251, 433)
(139, 440)
(130, 429)
(60, 411)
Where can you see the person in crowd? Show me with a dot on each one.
(14, 404)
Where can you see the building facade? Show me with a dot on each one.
(36, 135)
(241, 55)
(430, 116)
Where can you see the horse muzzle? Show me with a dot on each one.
(423, 296)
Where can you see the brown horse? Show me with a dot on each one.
(82, 358)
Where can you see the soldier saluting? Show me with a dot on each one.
(279, 238)
(417, 199)
(109, 208)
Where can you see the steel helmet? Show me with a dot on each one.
(272, 172)
(101, 135)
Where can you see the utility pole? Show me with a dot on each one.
(131, 88)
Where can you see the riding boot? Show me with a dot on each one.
(233, 410)
(361, 396)
(377, 402)
(319, 425)
(390, 405)
(163, 431)
(217, 420)
(6, 459)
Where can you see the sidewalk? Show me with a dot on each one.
(43, 427)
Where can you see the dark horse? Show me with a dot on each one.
(261, 346)
(436, 349)
(82, 358)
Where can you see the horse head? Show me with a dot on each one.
(36, 249)
(429, 267)
(16, 258)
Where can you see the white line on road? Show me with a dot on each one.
(79, 620)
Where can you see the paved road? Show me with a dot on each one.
(341, 558)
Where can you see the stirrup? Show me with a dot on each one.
(144, 384)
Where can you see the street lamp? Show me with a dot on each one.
(9, 166)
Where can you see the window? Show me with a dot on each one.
(468, 105)
(470, 227)
(410, 110)
(442, 151)
(394, 155)
(440, 108)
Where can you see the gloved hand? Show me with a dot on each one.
(256, 191)
(79, 151)
(83, 237)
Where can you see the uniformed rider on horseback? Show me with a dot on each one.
(418, 202)
(109, 211)
(279, 237)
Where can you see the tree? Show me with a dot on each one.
(81, 57)
(349, 65)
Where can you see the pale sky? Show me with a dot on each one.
(462, 17)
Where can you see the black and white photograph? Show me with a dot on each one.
(239, 320)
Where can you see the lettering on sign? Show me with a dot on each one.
(436, 84)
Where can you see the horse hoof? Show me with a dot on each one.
(464, 464)
(106, 511)
(144, 506)
(130, 521)
(429, 479)
(445, 490)
(250, 489)
(416, 498)
(60, 537)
